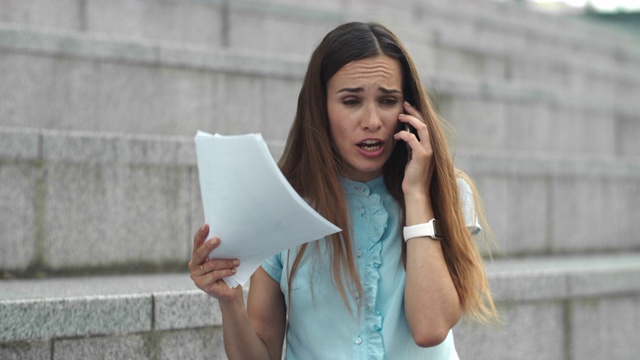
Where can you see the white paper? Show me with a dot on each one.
(249, 204)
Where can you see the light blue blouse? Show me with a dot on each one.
(319, 325)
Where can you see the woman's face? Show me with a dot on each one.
(364, 99)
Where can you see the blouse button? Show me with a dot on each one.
(358, 340)
(359, 253)
(356, 294)
(362, 211)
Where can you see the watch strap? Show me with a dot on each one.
(429, 229)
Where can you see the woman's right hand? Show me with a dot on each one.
(207, 274)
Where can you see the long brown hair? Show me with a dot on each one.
(312, 165)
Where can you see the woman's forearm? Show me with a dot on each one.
(431, 301)
(240, 338)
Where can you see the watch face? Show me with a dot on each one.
(437, 229)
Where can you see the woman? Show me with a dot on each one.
(368, 152)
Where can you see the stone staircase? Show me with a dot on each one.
(99, 196)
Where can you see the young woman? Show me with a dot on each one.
(367, 150)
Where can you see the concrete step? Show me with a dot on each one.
(478, 39)
(222, 22)
(551, 308)
(100, 84)
(79, 202)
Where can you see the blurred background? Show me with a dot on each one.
(100, 100)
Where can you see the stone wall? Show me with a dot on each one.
(80, 202)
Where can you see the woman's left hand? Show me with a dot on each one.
(419, 170)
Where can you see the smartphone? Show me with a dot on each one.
(411, 129)
(408, 128)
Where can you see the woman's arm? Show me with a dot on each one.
(256, 332)
(431, 300)
(253, 333)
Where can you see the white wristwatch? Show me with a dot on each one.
(429, 229)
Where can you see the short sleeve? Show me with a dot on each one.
(468, 207)
(273, 267)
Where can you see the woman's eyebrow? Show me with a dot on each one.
(352, 90)
(361, 89)
(389, 91)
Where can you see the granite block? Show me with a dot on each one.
(117, 148)
(130, 97)
(577, 204)
(479, 123)
(76, 147)
(19, 144)
(566, 135)
(25, 350)
(526, 208)
(280, 103)
(527, 331)
(528, 285)
(627, 130)
(242, 106)
(494, 194)
(73, 103)
(605, 328)
(528, 126)
(99, 215)
(621, 210)
(627, 89)
(188, 100)
(565, 277)
(70, 317)
(150, 150)
(19, 221)
(599, 136)
(613, 280)
(204, 343)
(32, 76)
(184, 310)
(454, 60)
(62, 14)
(278, 29)
(112, 347)
(107, 288)
(197, 22)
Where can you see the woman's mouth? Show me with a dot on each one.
(370, 145)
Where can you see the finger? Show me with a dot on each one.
(409, 138)
(216, 275)
(415, 119)
(201, 254)
(220, 264)
(409, 109)
(200, 237)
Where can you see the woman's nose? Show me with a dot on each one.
(371, 119)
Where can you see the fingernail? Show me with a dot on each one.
(236, 262)
(407, 103)
(202, 227)
(400, 115)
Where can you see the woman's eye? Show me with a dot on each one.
(350, 102)
(389, 101)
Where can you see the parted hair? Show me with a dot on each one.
(312, 165)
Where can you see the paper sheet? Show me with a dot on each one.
(249, 204)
